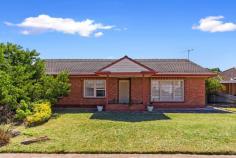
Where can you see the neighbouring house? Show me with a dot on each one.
(131, 84)
(229, 81)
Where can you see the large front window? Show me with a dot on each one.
(94, 88)
(167, 90)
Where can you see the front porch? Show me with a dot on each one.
(127, 94)
(127, 84)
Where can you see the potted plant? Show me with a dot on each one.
(100, 108)
(150, 107)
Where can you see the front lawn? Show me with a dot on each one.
(132, 133)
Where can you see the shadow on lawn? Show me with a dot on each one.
(129, 116)
(73, 110)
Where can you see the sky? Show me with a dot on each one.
(114, 28)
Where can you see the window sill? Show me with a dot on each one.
(94, 97)
(168, 102)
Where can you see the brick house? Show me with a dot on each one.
(131, 84)
(229, 81)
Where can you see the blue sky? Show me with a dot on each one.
(137, 28)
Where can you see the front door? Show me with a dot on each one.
(124, 91)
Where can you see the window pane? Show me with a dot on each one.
(100, 84)
(89, 83)
(89, 88)
(178, 91)
(89, 92)
(155, 90)
(166, 90)
(100, 93)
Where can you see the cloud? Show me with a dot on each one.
(8, 23)
(25, 32)
(214, 24)
(98, 34)
(121, 29)
(43, 23)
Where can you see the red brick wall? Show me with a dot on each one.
(76, 95)
(112, 88)
(136, 90)
(194, 93)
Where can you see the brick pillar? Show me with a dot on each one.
(143, 90)
(107, 90)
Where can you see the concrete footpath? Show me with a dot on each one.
(112, 156)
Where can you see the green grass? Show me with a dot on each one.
(132, 133)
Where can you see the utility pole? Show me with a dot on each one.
(189, 51)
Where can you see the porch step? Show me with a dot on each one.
(125, 107)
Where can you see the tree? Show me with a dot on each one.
(213, 85)
(23, 77)
(216, 70)
(8, 91)
(50, 88)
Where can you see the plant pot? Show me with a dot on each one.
(150, 108)
(100, 108)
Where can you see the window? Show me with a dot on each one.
(155, 90)
(94, 88)
(167, 90)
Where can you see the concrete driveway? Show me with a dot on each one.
(111, 156)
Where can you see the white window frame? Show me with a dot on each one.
(159, 83)
(95, 89)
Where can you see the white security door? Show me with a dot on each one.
(124, 88)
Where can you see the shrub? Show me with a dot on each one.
(4, 135)
(23, 77)
(213, 86)
(23, 111)
(41, 113)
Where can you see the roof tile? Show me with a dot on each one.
(90, 66)
(229, 74)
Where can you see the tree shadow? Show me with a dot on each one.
(129, 116)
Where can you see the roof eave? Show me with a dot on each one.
(187, 74)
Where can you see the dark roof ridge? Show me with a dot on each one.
(97, 59)
(79, 60)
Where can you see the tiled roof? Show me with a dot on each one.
(90, 66)
(229, 74)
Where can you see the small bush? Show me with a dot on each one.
(41, 113)
(4, 135)
(213, 85)
(23, 111)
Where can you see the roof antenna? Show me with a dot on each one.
(189, 51)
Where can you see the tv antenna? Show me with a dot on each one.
(189, 51)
